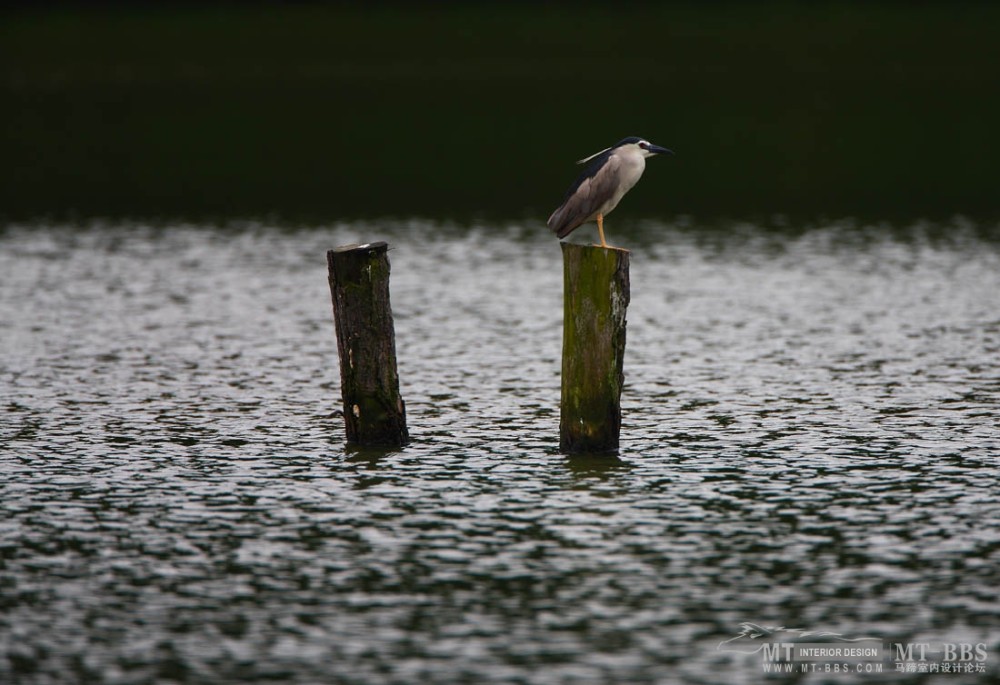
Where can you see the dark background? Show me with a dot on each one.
(322, 112)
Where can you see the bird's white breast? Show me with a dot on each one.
(632, 164)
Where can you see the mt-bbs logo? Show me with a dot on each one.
(950, 651)
(795, 650)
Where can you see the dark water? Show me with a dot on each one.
(810, 440)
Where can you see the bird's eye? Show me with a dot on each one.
(644, 144)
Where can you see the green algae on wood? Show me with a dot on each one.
(596, 295)
(374, 413)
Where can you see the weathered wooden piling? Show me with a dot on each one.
(374, 413)
(595, 297)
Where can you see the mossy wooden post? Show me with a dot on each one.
(359, 286)
(596, 295)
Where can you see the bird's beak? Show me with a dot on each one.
(657, 150)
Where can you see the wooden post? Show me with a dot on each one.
(359, 287)
(596, 295)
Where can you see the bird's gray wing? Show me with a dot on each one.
(584, 202)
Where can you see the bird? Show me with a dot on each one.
(609, 174)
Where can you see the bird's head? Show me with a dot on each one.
(632, 143)
(647, 148)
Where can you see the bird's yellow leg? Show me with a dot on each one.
(600, 229)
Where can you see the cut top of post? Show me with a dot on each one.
(377, 246)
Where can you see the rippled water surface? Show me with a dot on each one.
(810, 440)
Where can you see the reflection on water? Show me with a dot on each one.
(809, 440)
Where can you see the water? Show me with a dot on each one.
(810, 440)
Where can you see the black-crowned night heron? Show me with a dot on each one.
(610, 174)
